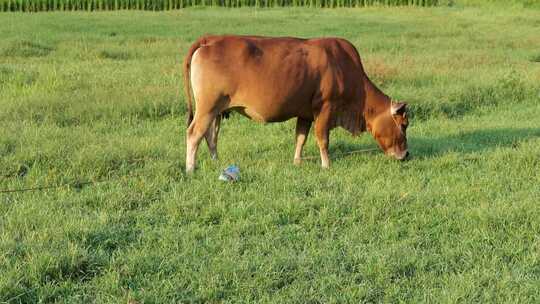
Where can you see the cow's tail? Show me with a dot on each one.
(187, 78)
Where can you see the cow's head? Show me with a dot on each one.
(389, 129)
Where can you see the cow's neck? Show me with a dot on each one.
(356, 120)
(376, 101)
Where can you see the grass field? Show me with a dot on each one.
(96, 97)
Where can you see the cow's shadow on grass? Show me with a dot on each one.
(472, 141)
(422, 147)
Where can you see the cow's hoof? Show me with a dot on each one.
(297, 161)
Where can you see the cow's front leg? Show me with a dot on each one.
(322, 132)
(302, 131)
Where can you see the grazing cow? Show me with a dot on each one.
(274, 79)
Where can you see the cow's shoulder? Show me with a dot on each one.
(338, 48)
(340, 68)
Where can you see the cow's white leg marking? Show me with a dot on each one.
(302, 131)
(322, 133)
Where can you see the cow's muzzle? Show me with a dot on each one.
(403, 156)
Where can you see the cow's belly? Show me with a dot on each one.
(274, 101)
(259, 116)
(265, 111)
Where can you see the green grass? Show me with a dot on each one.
(98, 97)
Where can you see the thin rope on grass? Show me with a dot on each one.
(345, 153)
(73, 184)
(78, 185)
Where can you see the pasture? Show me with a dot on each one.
(96, 97)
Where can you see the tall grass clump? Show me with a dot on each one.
(518, 3)
(159, 5)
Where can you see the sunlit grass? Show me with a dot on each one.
(97, 97)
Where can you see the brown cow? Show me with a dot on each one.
(275, 79)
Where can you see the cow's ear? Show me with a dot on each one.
(398, 108)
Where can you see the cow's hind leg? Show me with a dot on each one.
(195, 132)
(302, 131)
(211, 136)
